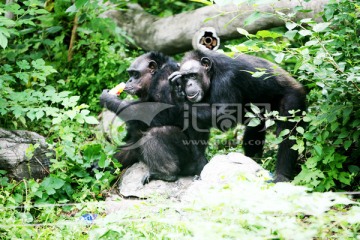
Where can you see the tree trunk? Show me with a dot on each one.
(173, 34)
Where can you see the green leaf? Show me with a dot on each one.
(102, 161)
(300, 130)
(39, 114)
(284, 132)
(254, 122)
(319, 27)
(80, 3)
(250, 115)
(17, 111)
(244, 32)
(305, 32)
(3, 40)
(325, 135)
(71, 114)
(269, 123)
(307, 119)
(51, 111)
(334, 126)
(41, 11)
(347, 144)
(258, 74)
(99, 175)
(91, 120)
(7, 68)
(354, 169)
(205, 2)
(255, 108)
(279, 57)
(318, 149)
(290, 25)
(50, 184)
(85, 112)
(268, 34)
(38, 63)
(71, 9)
(31, 115)
(56, 120)
(343, 134)
(308, 136)
(6, 22)
(253, 17)
(24, 77)
(291, 34)
(345, 178)
(306, 20)
(346, 114)
(74, 99)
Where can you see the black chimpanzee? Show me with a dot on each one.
(163, 146)
(212, 83)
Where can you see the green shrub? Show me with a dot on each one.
(42, 91)
(325, 58)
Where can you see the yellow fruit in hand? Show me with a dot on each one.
(118, 89)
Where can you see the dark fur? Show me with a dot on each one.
(231, 82)
(162, 148)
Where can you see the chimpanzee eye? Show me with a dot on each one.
(134, 74)
(193, 75)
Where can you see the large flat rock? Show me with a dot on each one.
(220, 170)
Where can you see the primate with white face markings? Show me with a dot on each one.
(207, 77)
(161, 144)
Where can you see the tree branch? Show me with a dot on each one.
(174, 34)
(73, 38)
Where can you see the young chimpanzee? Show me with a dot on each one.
(220, 88)
(161, 144)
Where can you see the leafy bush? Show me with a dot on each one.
(35, 96)
(325, 58)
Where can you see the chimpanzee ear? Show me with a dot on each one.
(206, 62)
(153, 66)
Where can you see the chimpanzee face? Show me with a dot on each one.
(140, 72)
(195, 78)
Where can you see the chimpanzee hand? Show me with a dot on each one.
(106, 98)
(146, 179)
(173, 77)
(175, 84)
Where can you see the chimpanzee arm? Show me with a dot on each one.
(112, 102)
(201, 115)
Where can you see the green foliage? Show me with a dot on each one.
(167, 8)
(325, 58)
(241, 206)
(51, 86)
(100, 54)
(35, 96)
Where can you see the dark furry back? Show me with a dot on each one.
(232, 80)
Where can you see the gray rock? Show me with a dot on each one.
(131, 186)
(220, 170)
(225, 169)
(16, 158)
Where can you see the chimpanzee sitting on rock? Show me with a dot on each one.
(213, 85)
(161, 145)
